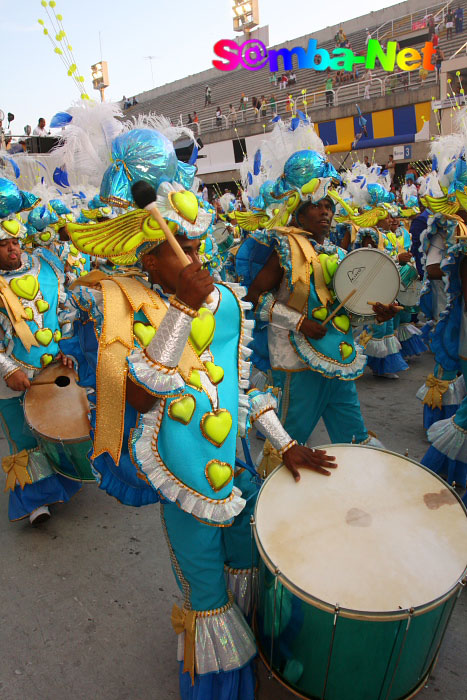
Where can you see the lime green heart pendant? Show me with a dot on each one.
(42, 306)
(25, 287)
(215, 372)
(216, 426)
(182, 409)
(342, 323)
(144, 333)
(218, 474)
(12, 226)
(185, 204)
(202, 330)
(320, 313)
(345, 350)
(44, 336)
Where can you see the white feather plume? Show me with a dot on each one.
(159, 123)
(446, 150)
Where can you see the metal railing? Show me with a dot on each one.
(407, 80)
(464, 46)
(387, 28)
(374, 85)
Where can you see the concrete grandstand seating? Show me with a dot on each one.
(227, 87)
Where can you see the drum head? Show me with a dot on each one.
(380, 534)
(58, 413)
(374, 276)
(221, 232)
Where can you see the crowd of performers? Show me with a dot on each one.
(178, 362)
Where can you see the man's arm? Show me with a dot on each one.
(268, 278)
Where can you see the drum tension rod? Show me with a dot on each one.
(276, 581)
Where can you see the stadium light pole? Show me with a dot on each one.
(100, 77)
(245, 15)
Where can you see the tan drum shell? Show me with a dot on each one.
(316, 485)
(59, 414)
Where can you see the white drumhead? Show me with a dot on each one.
(380, 534)
(372, 273)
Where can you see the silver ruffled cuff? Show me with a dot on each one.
(269, 424)
(382, 347)
(241, 583)
(284, 317)
(264, 307)
(449, 439)
(167, 346)
(452, 397)
(224, 642)
(7, 365)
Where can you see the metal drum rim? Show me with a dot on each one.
(348, 612)
(376, 250)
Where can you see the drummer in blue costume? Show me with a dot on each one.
(169, 373)
(313, 365)
(448, 452)
(31, 326)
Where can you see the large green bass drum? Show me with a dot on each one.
(359, 575)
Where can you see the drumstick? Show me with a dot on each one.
(145, 198)
(349, 295)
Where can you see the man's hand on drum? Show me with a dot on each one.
(312, 329)
(384, 312)
(66, 361)
(301, 457)
(404, 257)
(18, 381)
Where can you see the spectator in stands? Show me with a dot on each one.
(329, 91)
(27, 129)
(207, 96)
(449, 23)
(273, 79)
(431, 26)
(232, 115)
(391, 166)
(459, 17)
(284, 81)
(292, 78)
(19, 147)
(437, 59)
(366, 161)
(264, 107)
(289, 104)
(256, 105)
(126, 102)
(134, 102)
(435, 40)
(40, 128)
(219, 118)
(368, 37)
(204, 193)
(190, 119)
(243, 101)
(366, 93)
(195, 118)
(342, 37)
(273, 105)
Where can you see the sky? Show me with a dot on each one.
(179, 34)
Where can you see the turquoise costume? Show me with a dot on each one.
(35, 290)
(182, 451)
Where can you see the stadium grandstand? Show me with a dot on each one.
(397, 106)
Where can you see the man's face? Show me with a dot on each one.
(393, 223)
(163, 265)
(316, 218)
(42, 123)
(10, 254)
(385, 224)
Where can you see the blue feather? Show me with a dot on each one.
(60, 177)
(276, 119)
(15, 167)
(250, 179)
(257, 162)
(60, 119)
(194, 155)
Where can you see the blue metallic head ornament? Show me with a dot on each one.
(11, 200)
(40, 218)
(266, 192)
(303, 166)
(140, 154)
(59, 207)
(378, 194)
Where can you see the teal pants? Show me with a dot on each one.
(199, 551)
(308, 396)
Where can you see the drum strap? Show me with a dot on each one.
(17, 315)
(302, 255)
(122, 298)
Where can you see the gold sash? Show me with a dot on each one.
(123, 297)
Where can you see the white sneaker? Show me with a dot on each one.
(391, 375)
(40, 515)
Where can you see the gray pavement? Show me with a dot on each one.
(85, 600)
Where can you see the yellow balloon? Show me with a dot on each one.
(84, 96)
(69, 73)
(73, 67)
(46, 31)
(52, 3)
(57, 50)
(69, 47)
(41, 21)
(59, 17)
(43, 3)
(58, 37)
(81, 79)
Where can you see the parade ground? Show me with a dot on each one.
(86, 598)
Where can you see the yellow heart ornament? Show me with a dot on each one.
(42, 306)
(73, 250)
(12, 226)
(320, 313)
(25, 287)
(44, 336)
(57, 336)
(185, 204)
(46, 359)
(345, 350)
(195, 379)
(45, 236)
(29, 313)
(202, 330)
(182, 409)
(218, 474)
(144, 333)
(342, 323)
(216, 426)
(215, 372)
